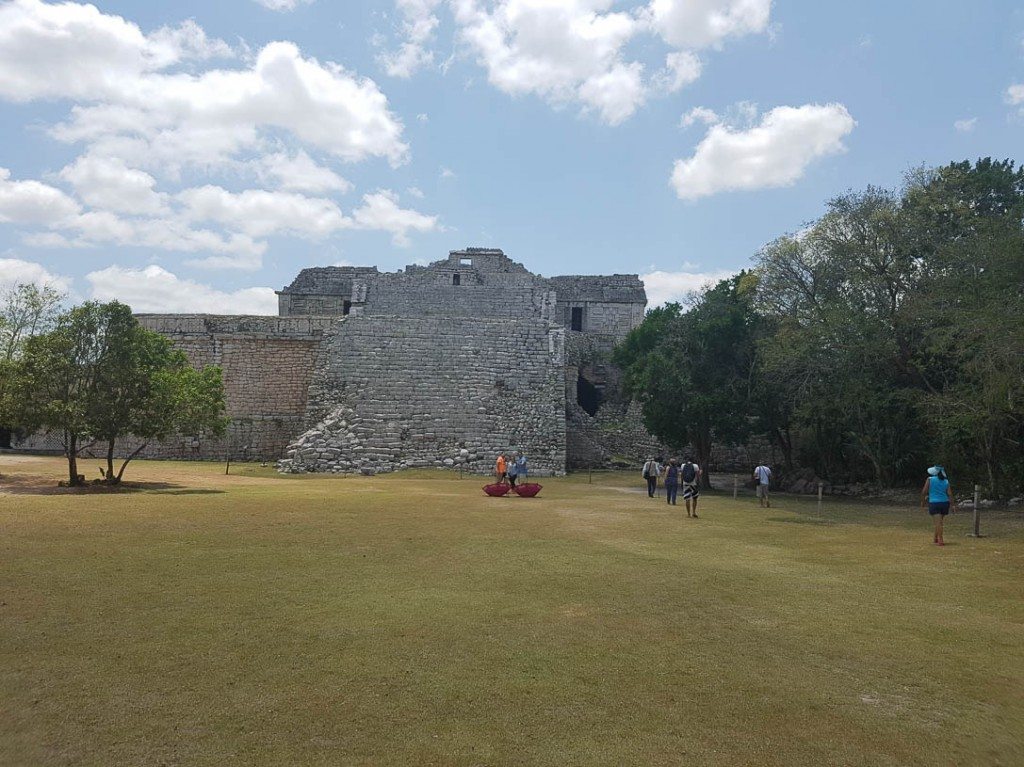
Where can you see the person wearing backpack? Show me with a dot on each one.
(690, 474)
(672, 481)
(651, 472)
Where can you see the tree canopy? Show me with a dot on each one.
(884, 336)
(99, 376)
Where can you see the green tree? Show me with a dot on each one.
(842, 359)
(54, 384)
(146, 389)
(100, 376)
(25, 311)
(971, 310)
(693, 370)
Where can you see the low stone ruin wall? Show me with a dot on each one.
(268, 365)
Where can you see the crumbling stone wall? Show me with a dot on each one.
(268, 365)
(399, 392)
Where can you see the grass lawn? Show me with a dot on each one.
(408, 619)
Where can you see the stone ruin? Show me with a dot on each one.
(442, 365)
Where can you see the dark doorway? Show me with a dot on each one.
(588, 396)
(346, 307)
(456, 279)
(576, 322)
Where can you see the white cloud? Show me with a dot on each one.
(774, 153)
(1015, 94)
(576, 50)
(14, 271)
(107, 183)
(380, 210)
(696, 24)
(663, 287)
(699, 115)
(153, 289)
(146, 107)
(283, 5)
(422, 117)
(569, 51)
(966, 125)
(174, 120)
(447, 172)
(32, 202)
(415, 191)
(68, 50)
(418, 27)
(681, 69)
(300, 173)
(260, 213)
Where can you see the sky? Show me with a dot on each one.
(194, 156)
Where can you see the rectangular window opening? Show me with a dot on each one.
(465, 262)
(346, 307)
(456, 279)
(577, 318)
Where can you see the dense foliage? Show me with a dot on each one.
(99, 376)
(886, 336)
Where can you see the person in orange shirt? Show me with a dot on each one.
(500, 470)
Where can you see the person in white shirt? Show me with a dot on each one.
(763, 475)
(652, 470)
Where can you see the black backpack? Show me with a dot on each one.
(689, 473)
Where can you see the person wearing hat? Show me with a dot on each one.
(940, 499)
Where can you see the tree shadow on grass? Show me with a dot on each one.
(34, 484)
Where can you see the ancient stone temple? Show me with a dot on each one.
(439, 365)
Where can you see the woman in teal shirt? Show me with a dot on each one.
(940, 499)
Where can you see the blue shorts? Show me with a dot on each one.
(939, 508)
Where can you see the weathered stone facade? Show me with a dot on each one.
(439, 365)
(398, 392)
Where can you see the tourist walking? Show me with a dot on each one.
(513, 470)
(939, 493)
(763, 477)
(690, 475)
(651, 472)
(521, 471)
(672, 481)
(500, 470)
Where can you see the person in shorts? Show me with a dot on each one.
(500, 470)
(939, 493)
(763, 477)
(689, 475)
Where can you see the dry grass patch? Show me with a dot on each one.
(409, 619)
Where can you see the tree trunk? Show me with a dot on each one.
(127, 460)
(702, 447)
(111, 479)
(71, 447)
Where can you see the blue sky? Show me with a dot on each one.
(194, 156)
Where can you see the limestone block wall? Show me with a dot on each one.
(268, 365)
(515, 297)
(399, 392)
